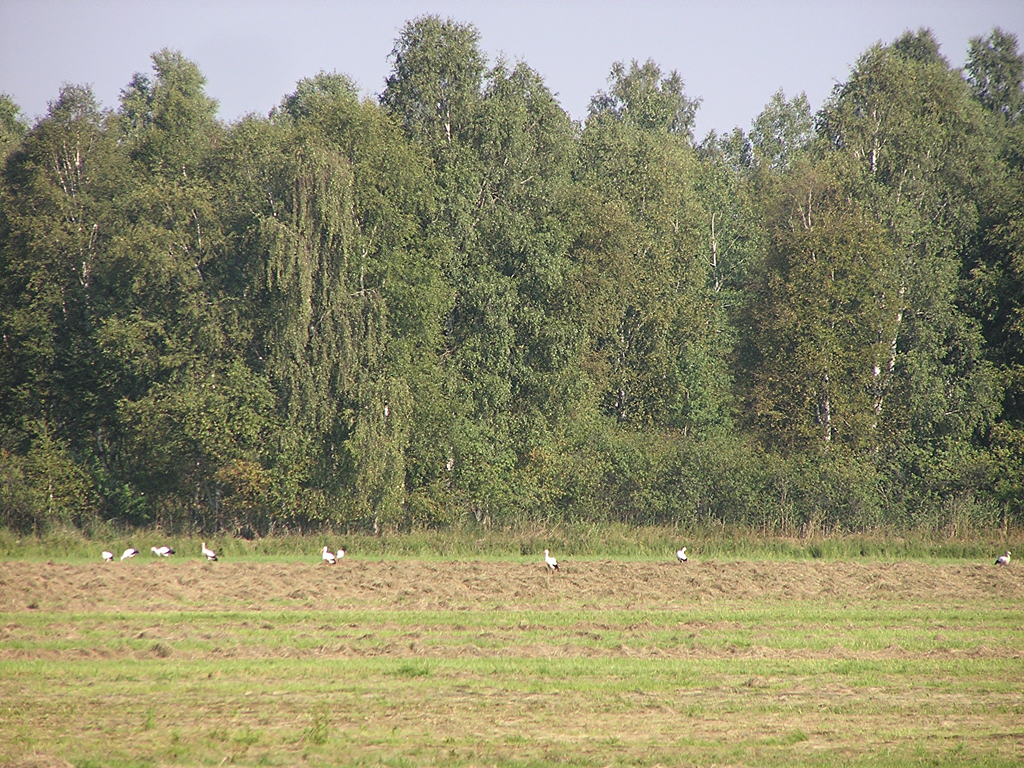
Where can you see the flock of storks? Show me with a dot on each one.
(108, 557)
(330, 558)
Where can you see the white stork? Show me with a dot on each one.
(210, 555)
(130, 552)
(551, 562)
(164, 551)
(108, 557)
(340, 553)
(329, 558)
(681, 555)
(1003, 559)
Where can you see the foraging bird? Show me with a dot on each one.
(1003, 559)
(210, 555)
(552, 563)
(108, 557)
(328, 557)
(130, 552)
(681, 555)
(162, 551)
(340, 554)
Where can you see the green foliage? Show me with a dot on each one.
(46, 488)
(782, 131)
(12, 129)
(436, 79)
(658, 340)
(820, 318)
(642, 97)
(169, 120)
(453, 308)
(319, 730)
(995, 72)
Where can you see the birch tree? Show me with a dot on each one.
(919, 159)
(57, 223)
(821, 321)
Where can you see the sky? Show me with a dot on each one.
(732, 54)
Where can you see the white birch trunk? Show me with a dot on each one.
(882, 379)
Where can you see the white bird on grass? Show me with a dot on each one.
(329, 558)
(551, 562)
(681, 555)
(209, 553)
(162, 551)
(340, 554)
(1003, 559)
(130, 552)
(108, 557)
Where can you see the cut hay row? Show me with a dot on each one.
(167, 585)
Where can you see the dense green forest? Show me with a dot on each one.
(454, 305)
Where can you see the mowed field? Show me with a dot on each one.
(407, 663)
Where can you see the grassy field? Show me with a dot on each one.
(524, 543)
(410, 662)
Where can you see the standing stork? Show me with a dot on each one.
(164, 551)
(329, 558)
(681, 555)
(130, 552)
(108, 557)
(1003, 559)
(209, 554)
(551, 562)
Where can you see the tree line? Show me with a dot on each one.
(453, 304)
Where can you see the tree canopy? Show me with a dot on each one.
(452, 304)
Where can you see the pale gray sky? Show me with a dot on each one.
(733, 54)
